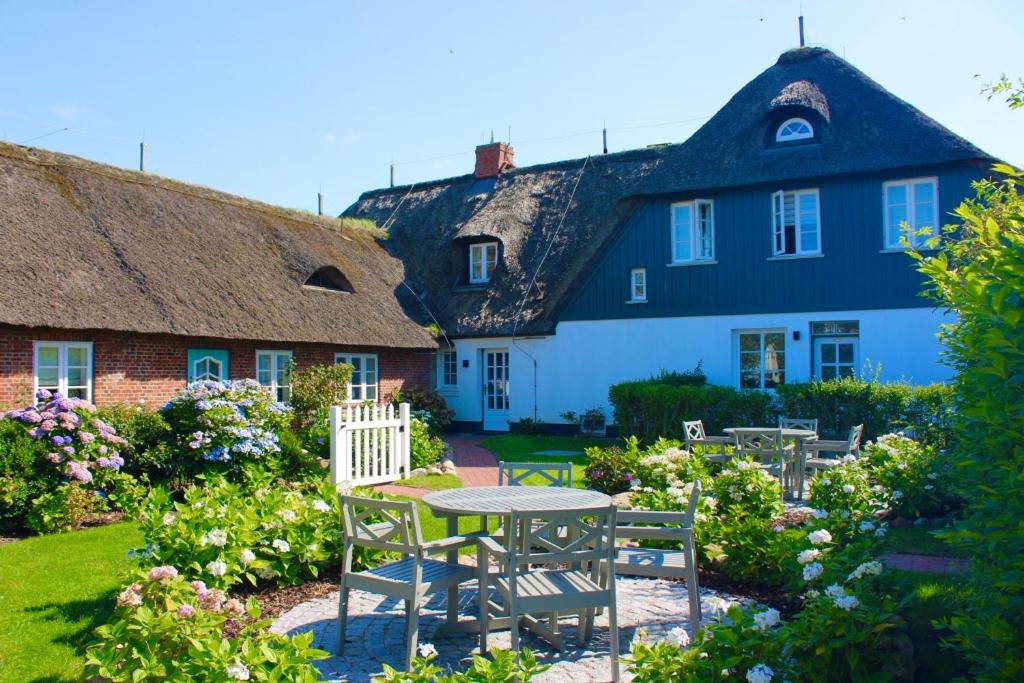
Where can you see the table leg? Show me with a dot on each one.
(452, 529)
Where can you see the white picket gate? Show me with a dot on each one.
(369, 443)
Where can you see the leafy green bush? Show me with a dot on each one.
(224, 533)
(166, 629)
(63, 509)
(913, 477)
(846, 487)
(224, 426)
(24, 474)
(612, 470)
(315, 389)
(839, 404)
(744, 489)
(147, 435)
(650, 408)
(684, 378)
(501, 667)
(437, 413)
(527, 425)
(425, 449)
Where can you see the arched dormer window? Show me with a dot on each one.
(794, 129)
(329, 279)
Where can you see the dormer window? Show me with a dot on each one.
(329, 279)
(794, 129)
(483, 259)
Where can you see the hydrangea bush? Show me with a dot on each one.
(225, 533)
(500, 667)
(913, 476)
(227, 424)
(744, 488)
(166, 628)
(75, 468)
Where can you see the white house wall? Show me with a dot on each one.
(576, 366)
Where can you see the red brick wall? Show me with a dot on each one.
(130, 367)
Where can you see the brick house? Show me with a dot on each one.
(120, 287)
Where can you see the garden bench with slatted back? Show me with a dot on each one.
(694, 435)
(644, 525)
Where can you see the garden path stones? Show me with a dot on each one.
(376, 631)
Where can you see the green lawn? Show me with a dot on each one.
(433, 482)
(54, 590)
(523, 448)
(932, 596)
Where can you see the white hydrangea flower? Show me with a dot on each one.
(678, 637)
(281, 545)
(287, 515)
(767, 619)
(848, 488)
(826, 482)
(204, 540)
(321, 506)
(835, 591)
(237, 671)
(218, 537)
(761, 673)
(847, 602)
(820, 536)
(880, 532)
(246, 556)
(809, 555)
(427, 650)
(897, 494)
(819, 514)
(813, 571)
(873, 568)
(169, 518)
(867, 526)
(217, 568)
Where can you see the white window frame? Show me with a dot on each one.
(738, 355)
(912, 239)
(479, 251)
(637, 285)
(282, 392)
(363, 385)
(208, 359)
(778, 208)
(62, 366)
(792, 137)
(693, 231)
(442, 369)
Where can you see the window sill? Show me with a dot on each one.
(637, 301)
(476, 287)
(794, 257)
(901, 250)
(684, 264)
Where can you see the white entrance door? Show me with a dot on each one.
(835, 357)
(496, 390)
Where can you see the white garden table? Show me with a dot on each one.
(798, 436)
(498, 501)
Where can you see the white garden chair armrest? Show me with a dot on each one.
(451, 543)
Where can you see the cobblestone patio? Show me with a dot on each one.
(376, 631)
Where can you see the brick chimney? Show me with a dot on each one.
(494, 158)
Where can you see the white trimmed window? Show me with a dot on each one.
(693, 231)
(794, 129)
(273, 369)
(483, 259)
(909, 206)
(65, 367)
(762, 358)
(796, 223)
(363, 386)
(638, 284)
(447, 370)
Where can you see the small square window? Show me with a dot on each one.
(910, 206)
(483, 259)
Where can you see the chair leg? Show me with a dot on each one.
(412, 623)
(514, 634)
(613, 639)
(694, 594)
(485, 615)
(339, 647)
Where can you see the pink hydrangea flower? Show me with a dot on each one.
(186, 611)
(86, 437)
(162, 572)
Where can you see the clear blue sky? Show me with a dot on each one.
(275, 100)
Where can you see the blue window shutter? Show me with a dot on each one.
(220, 356)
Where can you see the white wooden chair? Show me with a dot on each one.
(808, 423)
(693, 435)
(670, 564)
(554, 474)
(577, 579)
(770, 449)
(840, 449)
(394, 526)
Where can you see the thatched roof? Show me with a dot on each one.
(860, 128)
(90, 246)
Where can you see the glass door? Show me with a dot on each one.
(496, 390)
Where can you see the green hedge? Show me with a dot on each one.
(652, 408)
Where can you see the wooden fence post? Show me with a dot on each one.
(335, 444)
(404, 415)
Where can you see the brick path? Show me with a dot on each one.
(476, 467)
(376, 631)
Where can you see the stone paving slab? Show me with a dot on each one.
(376, 631)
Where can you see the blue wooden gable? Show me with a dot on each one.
(854, 271)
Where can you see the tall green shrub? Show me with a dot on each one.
(978, 274)
(650, 409)
(315, 389)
